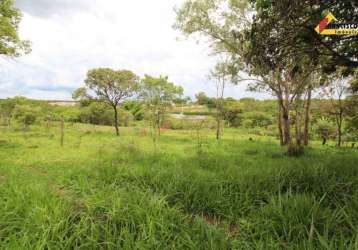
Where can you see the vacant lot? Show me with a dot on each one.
(187, 192)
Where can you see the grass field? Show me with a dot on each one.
(189, 192)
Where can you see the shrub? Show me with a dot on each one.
(188, 124)
(247, 123)
(135, 108)
(324, 129)
(258, 119)
(232, 113)
(26, 115)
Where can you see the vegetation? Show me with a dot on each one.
(158, 94)
(109, 86)
(287, 61)
(98, 192)
(10, 43)
(226, 173)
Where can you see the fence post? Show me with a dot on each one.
(62, 130)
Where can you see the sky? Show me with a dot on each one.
(70, 37)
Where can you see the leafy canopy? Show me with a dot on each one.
(10, 42)
(159, 91)
(111, 86)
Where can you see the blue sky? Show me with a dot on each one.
(69, 37)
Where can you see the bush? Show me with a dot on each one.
(324, 129)
(125, 118)
(96, 113)
(188, 124)
(232, 114)
(135, 108)
(26, 115)
(247, 123)
(258, 119)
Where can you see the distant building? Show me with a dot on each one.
(62, 103)
(52, 102)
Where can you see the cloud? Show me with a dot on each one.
(70, 37)
(47, 8)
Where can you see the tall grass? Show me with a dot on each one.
(119, 193)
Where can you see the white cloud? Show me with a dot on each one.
(70, 37)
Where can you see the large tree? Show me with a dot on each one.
(278, 43)
(10, 42)
(110, 86)
(294, 23)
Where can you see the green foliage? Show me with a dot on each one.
(82, 95)
(189, 124)
(6, 109)
(135, 108)
(97, 113)
(159, 91)
(109, 85)
(182, 101)
(232, 113)
(10, 43)
(203, 99)
(158, 95)
(110, 193)
(324, 128)
(257, 119)
(26, 114)
(292, 19)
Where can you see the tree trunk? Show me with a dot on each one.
(158, 123)
(116, 119)
(298, 127)
(217, 121)
(286, 125)
(307, 117)
(339, 123)
(279, 122)
(218, 130)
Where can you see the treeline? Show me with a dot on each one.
(21, 112)
(330, 118)
(255, 116)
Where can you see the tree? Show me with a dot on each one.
(296, 21)
(110, 86)
(351, 108)
(82, 96)
(222, 75)
(201, 98)
(6, 109)
(230, 29)
(158, 94)
(281, 54)
(10, 43)
(324, 129)
(335, 90)
(232, 112)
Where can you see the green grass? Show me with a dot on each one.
(104, 192)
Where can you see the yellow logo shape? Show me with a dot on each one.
(340, 29)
